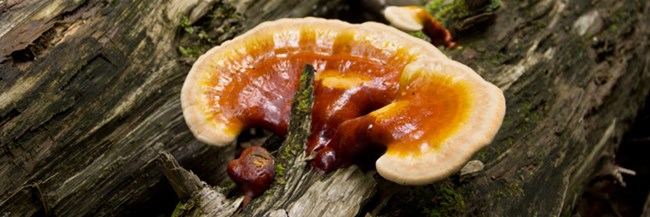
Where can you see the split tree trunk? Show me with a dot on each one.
(89, 95)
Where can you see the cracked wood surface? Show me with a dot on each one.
(89, 97)
(89, 94)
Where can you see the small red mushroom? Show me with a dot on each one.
(414, 18)
(253, 172)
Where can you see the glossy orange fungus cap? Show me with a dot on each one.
(376, 89)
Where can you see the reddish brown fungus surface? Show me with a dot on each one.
(375, 88)
(422, 117)
(253, 172)
(438, 34)
(415, 18)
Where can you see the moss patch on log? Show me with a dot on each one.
(444, 198)
(299, 124)
(196, 38)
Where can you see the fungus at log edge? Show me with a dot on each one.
(375, 88)
(415, 18)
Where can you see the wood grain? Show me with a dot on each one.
(89, 97)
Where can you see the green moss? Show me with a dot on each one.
(204, 36)
(279, 174)
(280, 180)
(227, 184)
(448, 201)
(506, 120)
(510, 140)
(304, 105)
(450, 11)
(218, 13)
(529, 113)
(500, 195)
(515, 189)
(433, 6)
(222, 13)
(183, 209)
(178, 211)
(189, 51)
(493, 6)
(493, 59)
(618, 20)
(221, 23)
(279, 170)
(186, 25)
(482, 155)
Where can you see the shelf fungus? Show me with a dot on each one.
(415, 18)
(376, 90)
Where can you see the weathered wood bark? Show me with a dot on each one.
(575, 75)
(89, 96)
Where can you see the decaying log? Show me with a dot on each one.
(89, 95)
(89, 98)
